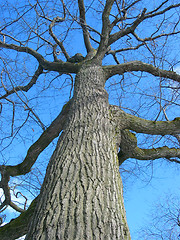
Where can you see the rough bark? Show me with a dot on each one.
(124, 120)
(81, 197)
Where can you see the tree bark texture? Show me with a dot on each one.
(81, 197)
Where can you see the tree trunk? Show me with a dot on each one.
(81, 197)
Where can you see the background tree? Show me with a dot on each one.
(67, 51)
(164, 220)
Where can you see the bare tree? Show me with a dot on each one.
(164, 220)
(84, 50)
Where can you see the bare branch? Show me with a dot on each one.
(132, 4)
(44, 140)
(15, 207)
(106, 29)
(156, 9)
(26, 106)
(16, 195)
(4, 185)
(17, 19)
(13, 115)
(140, 125)
(7, 35)
(55, 20)
(177, 136)
(114, 37)
(122, 13)
(151, 14)
(64, 67)
(0, 107)
(129, 149)
(143, 42)
(84, 26)
(113, 52)
(28, 50)
(140, 66)
(38, 72)
(155, 153)
(154, 38)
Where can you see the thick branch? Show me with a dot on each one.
(38, 72)
(114, 37)
(106, 29)
(112, 70)
(153, 127)
(155, 153)
(28, 50)
(45, 139)
(18, 227)
(62, 67)
(16, 207)
(129, 149)
(56, 20)
(84, 26)
(140, 125)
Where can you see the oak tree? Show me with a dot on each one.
(93, 48)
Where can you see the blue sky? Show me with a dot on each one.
(141, 197)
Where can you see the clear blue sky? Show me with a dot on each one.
(140, 197)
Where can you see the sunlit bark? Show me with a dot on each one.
(81, 197)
